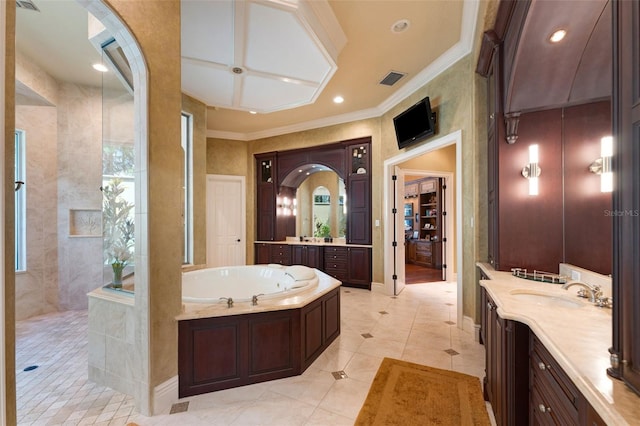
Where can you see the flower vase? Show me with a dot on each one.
(117, 275)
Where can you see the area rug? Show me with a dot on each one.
(404, 393)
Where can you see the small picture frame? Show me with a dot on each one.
(416, 234)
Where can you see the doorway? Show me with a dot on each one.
(226, 221)
(394, 281)
(78, 221)
(426, 230)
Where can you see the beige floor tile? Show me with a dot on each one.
(411, 327)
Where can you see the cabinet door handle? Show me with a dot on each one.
(544, 409)
(543, 366)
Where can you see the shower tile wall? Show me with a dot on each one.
(79, 180)
(37, 287)
(63, 124)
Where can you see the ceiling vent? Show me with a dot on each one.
(27, 4)
(392, 78)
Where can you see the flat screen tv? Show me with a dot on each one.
(415, 124)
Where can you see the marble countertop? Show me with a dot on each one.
(576, 333)
(326, 283)
(313, 242)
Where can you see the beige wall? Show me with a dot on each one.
(9, 276)
(155, 24)
(198, 110)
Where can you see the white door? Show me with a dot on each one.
(226, 219)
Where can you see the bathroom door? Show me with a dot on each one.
(226, 219)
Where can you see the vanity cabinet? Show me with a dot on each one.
(281, 254)
(554, 399)
(351, 265)
(335, 262)
(506, 350)
(523, 382)
(358, 186)
(278, 176)
(262, 253)
(266, 196)
(307, 255)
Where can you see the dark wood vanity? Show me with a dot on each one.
(565, 223)
(523, 381)
(280, 173)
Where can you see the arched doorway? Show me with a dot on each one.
(139, 74)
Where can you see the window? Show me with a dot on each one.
(20, 202)
(187, 181)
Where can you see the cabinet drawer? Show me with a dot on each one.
(545, 410)
(423, 258)
(335, 251)
(281, 253)
(546, 369)
(335, 266)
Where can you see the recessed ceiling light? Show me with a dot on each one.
(400, 26)
(252, 112)
(338, 99)
(557, 36)
(100, 67)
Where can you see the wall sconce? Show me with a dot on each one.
(286, 207)
(602, 166)
(531, 171)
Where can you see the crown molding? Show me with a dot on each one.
(437, 67)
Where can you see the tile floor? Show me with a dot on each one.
(418, 326)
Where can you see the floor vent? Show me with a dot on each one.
(392, 78)
(27, 4)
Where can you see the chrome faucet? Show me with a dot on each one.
(593, 290)
(254, 298)
(229, 301)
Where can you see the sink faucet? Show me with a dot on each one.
(593, 290)
(229, 301)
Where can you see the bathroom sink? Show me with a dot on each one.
(540, 297)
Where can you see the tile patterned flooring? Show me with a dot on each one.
(418, 326)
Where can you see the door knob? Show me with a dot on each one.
(238, 240)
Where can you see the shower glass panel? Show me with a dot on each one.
(118, 167)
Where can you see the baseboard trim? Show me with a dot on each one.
(377, 287)
(164, 395)
(471, 327)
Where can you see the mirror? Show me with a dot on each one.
(321, 206)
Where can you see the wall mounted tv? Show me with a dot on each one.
(415, 124)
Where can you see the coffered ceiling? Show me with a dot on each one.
(438, 33)
(295, 56)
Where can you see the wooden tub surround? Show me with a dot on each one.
(221, 348)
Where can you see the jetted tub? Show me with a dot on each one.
(241, 283)
(221, 346)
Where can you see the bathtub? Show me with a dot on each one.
(241, 283)
(222, 347)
